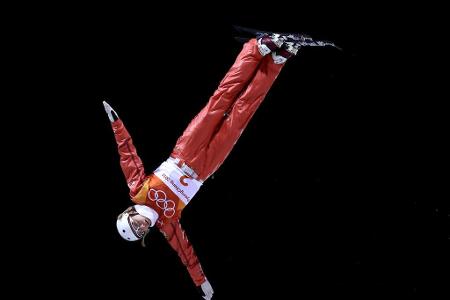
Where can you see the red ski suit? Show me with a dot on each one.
(201, 149)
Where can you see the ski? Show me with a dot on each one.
(302, 39)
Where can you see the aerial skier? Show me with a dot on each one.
(160, 197)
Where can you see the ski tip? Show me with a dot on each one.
(339, 48)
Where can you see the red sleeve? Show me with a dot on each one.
(176, 237)
(129, 160)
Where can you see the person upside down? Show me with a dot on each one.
(159, 198)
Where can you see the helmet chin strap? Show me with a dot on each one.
(143, 238)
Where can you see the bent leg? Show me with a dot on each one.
(202, 128)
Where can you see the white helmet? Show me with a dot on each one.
(123, 223)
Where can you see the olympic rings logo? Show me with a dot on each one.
(158, 196)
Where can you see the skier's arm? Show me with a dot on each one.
(177, 238)
(130, 162)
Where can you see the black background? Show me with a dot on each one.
(332, 190)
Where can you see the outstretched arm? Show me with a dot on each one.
(177, 238)
(130, 162)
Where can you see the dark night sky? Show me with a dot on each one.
(336, 147)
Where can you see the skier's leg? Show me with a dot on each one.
(201, 129)
(242, 111)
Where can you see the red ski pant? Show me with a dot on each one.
(211, 135)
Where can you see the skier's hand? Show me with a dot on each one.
(112, 115)
(207, 290)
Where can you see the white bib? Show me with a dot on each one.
(181, 184)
